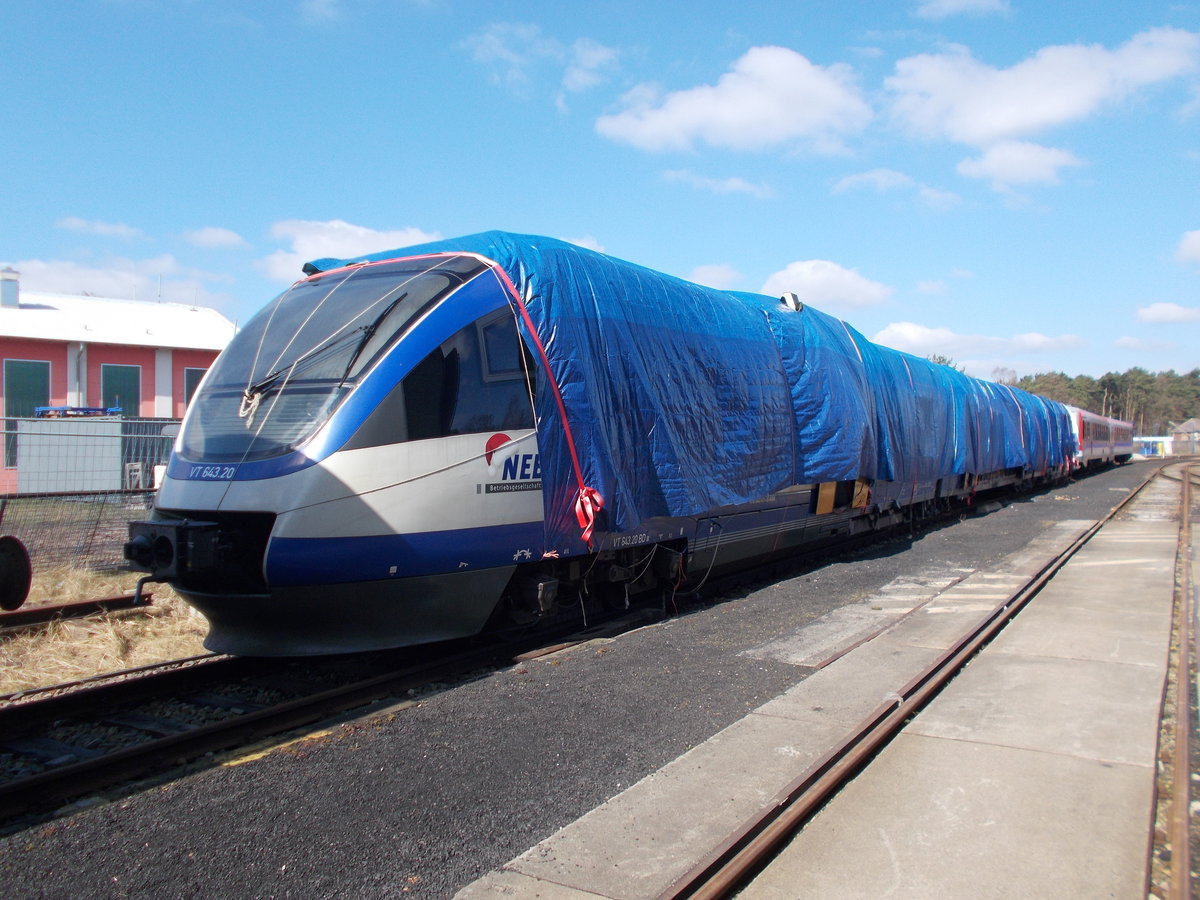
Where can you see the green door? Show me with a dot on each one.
(26, 387)
(121, 388)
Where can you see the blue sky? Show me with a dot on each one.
(1012, 184)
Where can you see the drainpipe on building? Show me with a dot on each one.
(80, 375)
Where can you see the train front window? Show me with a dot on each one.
(284, 374)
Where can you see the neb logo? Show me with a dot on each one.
(522, 467)
(519, 472)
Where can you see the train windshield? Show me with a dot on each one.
(284, 374)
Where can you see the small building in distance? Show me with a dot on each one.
(1153, 446)
(1185, 437)
(1181, 439)
(145, 359)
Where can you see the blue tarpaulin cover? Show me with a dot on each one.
(683, 399)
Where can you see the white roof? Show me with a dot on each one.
(100, 320)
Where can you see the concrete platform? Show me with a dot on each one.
(1031, 775)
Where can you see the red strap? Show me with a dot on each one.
(588, 503)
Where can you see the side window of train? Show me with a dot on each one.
(501, 349)
(474, 382)
(491, 393)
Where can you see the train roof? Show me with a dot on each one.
(1096, 417)
(679, 399)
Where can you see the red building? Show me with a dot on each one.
(145, 359)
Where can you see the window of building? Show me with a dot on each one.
(121, 388)
(191, 381)
(26, 387)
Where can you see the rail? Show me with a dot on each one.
(1185, 610)
(744, 852)
(37, 616)
(319, 688)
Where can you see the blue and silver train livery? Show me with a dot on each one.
(412, 445)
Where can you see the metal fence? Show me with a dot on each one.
(69, 486)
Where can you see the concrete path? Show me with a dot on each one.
(1030, 776)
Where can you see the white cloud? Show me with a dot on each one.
(891, 180)
(1190, 108)
(921, 340)
(826, 284)
(1132, 343)
(879, 179)
(587, 241)
(952, 95)
(867, 52)
(1035, 341)
(936, 198)
(771, 96)
(1018, 162)
(588, 64)
(1168, 313)
(513, 51)
(214, 237)
(940, 9)
(335, 238)
(122, 279)
(718, 276)
(1189, 247)
(931, 287)
(103, 229)
(718, 185)
(319, 11)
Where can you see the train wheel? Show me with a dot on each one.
(16, 573)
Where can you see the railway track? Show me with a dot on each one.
(746, 851)
(1187, 610)
(72, 740)
(37, 616)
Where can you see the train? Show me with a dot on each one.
(1099, 440)
(490, 431)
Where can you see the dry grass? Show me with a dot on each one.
(69, 650)
(65, 585)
